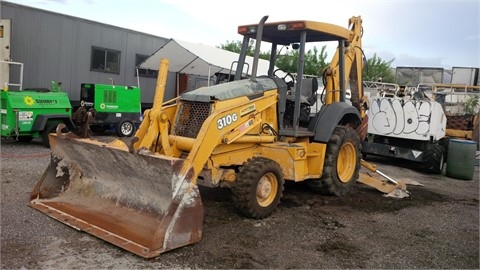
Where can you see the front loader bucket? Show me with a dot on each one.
(137, 202)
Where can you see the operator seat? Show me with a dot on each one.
(308, 97)
(308, 91)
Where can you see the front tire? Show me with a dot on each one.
(342, 163)
(258, 188)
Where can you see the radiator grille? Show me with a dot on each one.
(190, 118)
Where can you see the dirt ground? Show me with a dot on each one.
(437, 226)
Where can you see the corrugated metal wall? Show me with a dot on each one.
(58, 47)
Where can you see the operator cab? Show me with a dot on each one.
(296, 101)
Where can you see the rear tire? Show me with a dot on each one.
(125, 129)
(258, 188)
(434, 159)
(342, 163)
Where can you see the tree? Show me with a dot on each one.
(376, 69)
(236, 46)
(314, 60)
(471, 104)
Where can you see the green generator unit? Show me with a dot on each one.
(115, 107)
(34, 113)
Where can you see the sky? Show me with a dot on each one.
(414, 33)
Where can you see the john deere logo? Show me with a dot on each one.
(28, 100)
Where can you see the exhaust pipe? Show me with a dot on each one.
(257, 47)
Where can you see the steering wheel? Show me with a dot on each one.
(288, 75)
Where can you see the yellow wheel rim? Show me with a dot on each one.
(346, 162)
(267, 189)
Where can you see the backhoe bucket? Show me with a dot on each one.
(137, 202)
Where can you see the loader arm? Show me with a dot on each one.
(157, 123)
(210, 135)
(150, 127)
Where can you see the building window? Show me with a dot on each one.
(105, 60)
(144, 72)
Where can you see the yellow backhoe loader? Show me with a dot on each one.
(247, 134)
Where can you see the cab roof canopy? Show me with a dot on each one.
(288, 32)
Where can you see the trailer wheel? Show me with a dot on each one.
(24, 138)
(433, 159)
(50, 127)
(98, 128)
(342, 163)
(258, 188)
(125, 129)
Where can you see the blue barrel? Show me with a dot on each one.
(461, 159)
